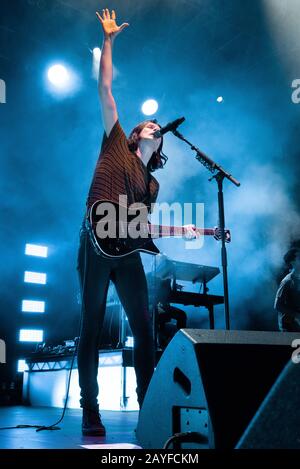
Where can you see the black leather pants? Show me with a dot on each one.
(128, 275)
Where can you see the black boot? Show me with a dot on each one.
(91, 423)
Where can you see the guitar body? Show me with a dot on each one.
(125, 247)
(118, 231)
(113, 226)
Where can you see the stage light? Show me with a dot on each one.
(282, 18)
(220, 99)
(31, 335)
(96, 62)
(36, 250)
(149, 107)
(62, 80)
(97, 53)
(2, 92)
(22, 366)
(59, 76)
(33, 306)
(35, 277)
(129, 342)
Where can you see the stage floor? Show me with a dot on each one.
(120, 426)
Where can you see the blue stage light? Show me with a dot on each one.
(149, 107)
(22, 366)
(59, 76)
(129, 342)
(35, 277)
(36, 250)
(62, 80)
(96, 61)
(31, 335)
(33, 306)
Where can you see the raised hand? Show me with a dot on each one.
(108, 22)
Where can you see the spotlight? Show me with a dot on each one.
(96, 62)
(97, 53)
(22, 366)
(61, 80)
(129, 342)
(149, 107)
(58, 75)
(31, 335)
(35, 277)
(33, 306)
(36, 250)
(220, 99)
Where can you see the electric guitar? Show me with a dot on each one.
(117, 231)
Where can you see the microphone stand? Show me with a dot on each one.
(220, 175)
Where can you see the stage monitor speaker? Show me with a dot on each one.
(276, 423)
(211, 382)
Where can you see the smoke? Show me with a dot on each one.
(248, 136)
(50, 148)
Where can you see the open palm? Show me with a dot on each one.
(109, 25)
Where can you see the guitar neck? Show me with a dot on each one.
(161, 231)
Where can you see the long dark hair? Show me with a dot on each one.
(158, 158)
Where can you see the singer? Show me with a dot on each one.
(124, 167)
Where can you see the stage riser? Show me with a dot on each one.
(48, 387)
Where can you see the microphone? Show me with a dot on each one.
(169, 127)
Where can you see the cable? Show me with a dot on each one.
(54, 425)
(186, 437)
(110, 326)
(154, 305)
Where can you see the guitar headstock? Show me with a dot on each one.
(218, 234)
